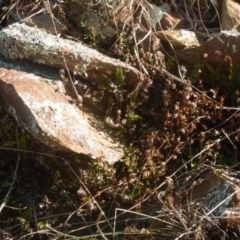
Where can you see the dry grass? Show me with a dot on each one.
(183, 126)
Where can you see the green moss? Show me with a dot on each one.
(132, 117)
(119, 79)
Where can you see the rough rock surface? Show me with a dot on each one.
(179, 38)
(38, 106)
(218, 192)
(221, 45)
(225, 43)
(170, 22)
(19, 41)
(230, 15)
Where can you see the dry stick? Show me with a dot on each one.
(48, 9)
(97, 224)
(137, 213)
(225, 120)
(38, 232)
(166, 73)
(162, 184)
(212, 210)
(28, 151)
(77, 237)
(60, 233)
(99, 193)
(89, 193)
(229, 139)
(65, 162)
(14, 177)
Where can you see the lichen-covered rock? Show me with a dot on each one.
(45, 22)
(230, 16)
(223, 199)
(216, 49)
(179, 38)
(216, 193)
(226, 43)
(19, 41)
(45, 112)
(170, 22)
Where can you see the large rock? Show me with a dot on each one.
(223, 198)
(226, 43)
(221, 46)
(170, 22)
(42, 109)
(217, 191)
(179, 38)
(19, 41)
(230, 16)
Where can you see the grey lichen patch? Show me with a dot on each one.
(30, 126)
(234, 48)
(25, 77)
(110, 157)
(179, 38)
(218, 53)
(40, 61)
(17, 35)
(218, 198)
(37, 45)
(220, 39)
(95, 21)
(59, 115)
(230, 33)
(66, 121)
(25, 41)
(155, 15)
(12, 111)
(9, 65)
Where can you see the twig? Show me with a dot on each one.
(14, 178)
(97, 224)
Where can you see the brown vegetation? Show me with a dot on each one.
(180, 126)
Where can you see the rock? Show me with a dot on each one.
(170, 22)
(154, 15)
(98, 20)
(230, 16)
(104, 21)
(221, 45)
(148, 41)
(43, 111)
(217, 191)
(223, 199)
(19, 41)
(179, 38)
(149, 16)
(45, 22)
(97, 29)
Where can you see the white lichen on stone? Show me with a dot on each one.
(230, 33)
(217, 198)
(154, 15)
(219, 39)
(9, 65)
(45, 48)
(234, 48)
(50, 117)
(218, 53)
